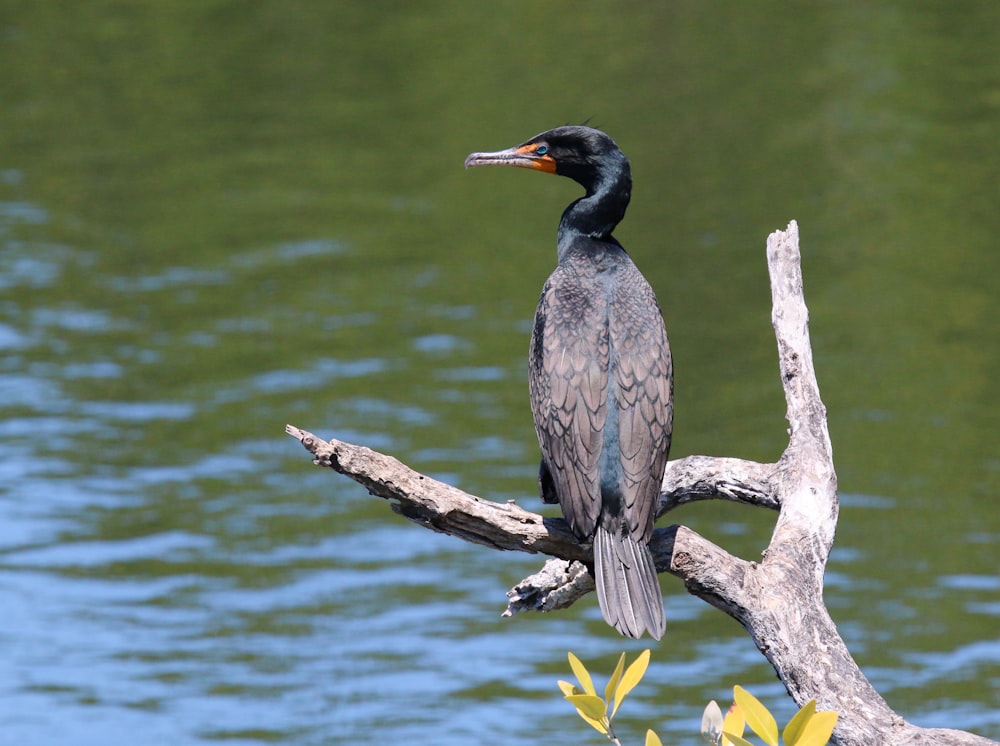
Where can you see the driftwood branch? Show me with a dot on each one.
(779, 600)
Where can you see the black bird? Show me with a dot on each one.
(600, 376)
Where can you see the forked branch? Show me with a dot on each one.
(779, 600)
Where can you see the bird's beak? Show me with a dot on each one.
(523, 156)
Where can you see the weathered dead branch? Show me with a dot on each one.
(779, 600)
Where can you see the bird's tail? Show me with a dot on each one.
(628, 586)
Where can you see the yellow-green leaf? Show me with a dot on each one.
(582, 675)
(711, 722)
(589, 704)
(566, 688)
(609, 690)
(798, 722)
(759, 718)
(632, 676)
(736, 740)
(818, 730)
(652, 739)
(734, 723)
(599, 725)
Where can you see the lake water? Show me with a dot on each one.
(219, 218)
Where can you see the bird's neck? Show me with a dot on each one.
(596, 214)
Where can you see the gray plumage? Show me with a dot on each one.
(600, 377)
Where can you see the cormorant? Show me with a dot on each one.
(600, 376)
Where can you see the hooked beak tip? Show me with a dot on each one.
(481, 159)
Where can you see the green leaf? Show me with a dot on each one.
(711, 723)
(818, 730)
(651, 738)
(736, 740)
(632, 676)
(566, 688)
(759, 718)
(609, 690)
(798, 722)
(582, 675)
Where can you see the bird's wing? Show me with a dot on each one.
(568, 383)
(644, 396)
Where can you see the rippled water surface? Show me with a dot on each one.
(218, 219)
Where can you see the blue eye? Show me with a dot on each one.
(542, 150)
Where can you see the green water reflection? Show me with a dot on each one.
(217, 218)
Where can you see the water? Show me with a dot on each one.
(215, 221)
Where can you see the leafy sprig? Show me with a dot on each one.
(808, 727)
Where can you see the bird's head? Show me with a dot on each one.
(584, 154)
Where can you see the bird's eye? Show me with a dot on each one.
(541, 150)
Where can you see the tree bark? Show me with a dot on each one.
(779, 600)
